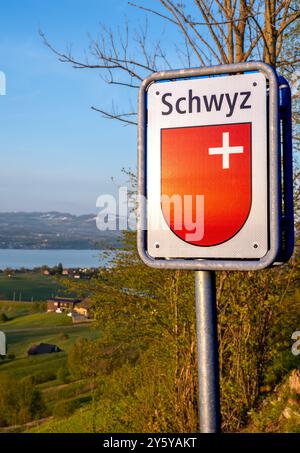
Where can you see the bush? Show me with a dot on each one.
(44, 376)
(72, 390)
(66, 408)
(62, 375)
(63, 336)
(4, 317)
(86, 359)
(39, 306)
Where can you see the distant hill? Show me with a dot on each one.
(54, 230)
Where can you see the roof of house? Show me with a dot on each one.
(64, 300)
(85, 303)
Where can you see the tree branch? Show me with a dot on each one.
(113, 116)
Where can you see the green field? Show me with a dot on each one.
(37, 320)
(18, 342)
(29, 286)
(15, 309)
(27, 326)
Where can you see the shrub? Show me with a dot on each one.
(20, 401)
(65, 408)
(86, 359)
(39, 306)
(62, 375)
(63, 336)
(4, 317)
(44, 376)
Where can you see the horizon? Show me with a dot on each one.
(47, 212)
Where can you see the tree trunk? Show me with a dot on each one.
(270, 36)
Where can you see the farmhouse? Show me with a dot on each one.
(75, 307)
(61, 304)
(43, 348)
(83, 308)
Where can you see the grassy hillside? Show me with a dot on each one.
(27, 327)
(82, 421)
(63, 336)
(14, 309)
(30, 286)
(46, 365)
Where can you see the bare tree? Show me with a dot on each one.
(211, 32)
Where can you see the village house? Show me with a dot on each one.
(83, 308)
(61, 304)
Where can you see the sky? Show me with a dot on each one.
(55, 152)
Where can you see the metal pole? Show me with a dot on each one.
(208, 370)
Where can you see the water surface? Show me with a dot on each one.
(17, 258)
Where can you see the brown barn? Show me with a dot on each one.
(43, 348)
(61, 304)
(78, 309)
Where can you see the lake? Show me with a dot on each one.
(17, 258)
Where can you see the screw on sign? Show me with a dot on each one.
(216, 170)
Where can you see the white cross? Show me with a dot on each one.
(226, 150)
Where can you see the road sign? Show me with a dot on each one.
(215, 182)
(209, 167)
(214, 161)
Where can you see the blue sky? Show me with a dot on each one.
(55, 152)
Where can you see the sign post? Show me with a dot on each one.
(215, 186)
(208, 370)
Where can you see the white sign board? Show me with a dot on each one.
(207, 167)
(2, 343)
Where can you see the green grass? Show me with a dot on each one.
(46, 366)
(27, 328)
(82, 421)
(14, 309)
(30, 366)
(28, 286)
(58, 391)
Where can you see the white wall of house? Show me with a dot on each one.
(2, 343)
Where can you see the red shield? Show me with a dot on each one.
(213, 163)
